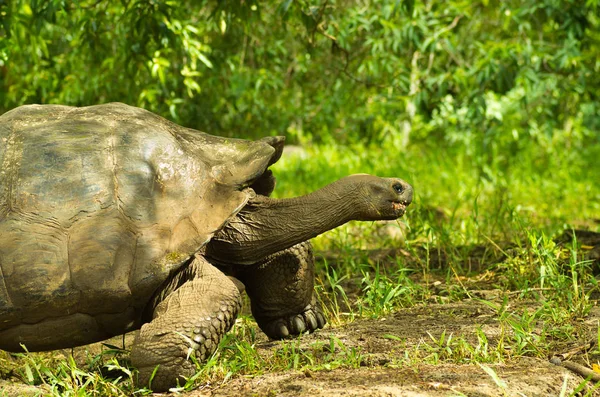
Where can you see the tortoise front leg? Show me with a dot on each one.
(190, 320)
(281, 291)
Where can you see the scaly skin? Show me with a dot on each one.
(281, 290)
(189, 321)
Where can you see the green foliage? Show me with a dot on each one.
(104, 374)
(449, 348)
(382, 294)
(491, 78)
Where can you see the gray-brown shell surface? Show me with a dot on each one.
(99, 205)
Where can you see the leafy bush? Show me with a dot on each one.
(485, 75)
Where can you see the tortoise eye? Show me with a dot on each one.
(398, 188)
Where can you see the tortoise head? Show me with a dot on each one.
(375, 198)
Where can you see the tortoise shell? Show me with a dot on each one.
(100, 205)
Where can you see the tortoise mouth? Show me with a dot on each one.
(399, 207)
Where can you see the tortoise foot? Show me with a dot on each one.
(309, 320)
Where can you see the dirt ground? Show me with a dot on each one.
(426, 380)
(378, 377)
(382, 342)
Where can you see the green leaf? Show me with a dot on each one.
(407, 5)
(205, 60)
(284, 7)
(29, 374)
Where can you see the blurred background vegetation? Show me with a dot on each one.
(501, 92)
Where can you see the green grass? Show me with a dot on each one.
(471, 224)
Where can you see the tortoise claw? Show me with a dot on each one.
(321, 320)
(277, 327)
(283, 331)
(309, 320)
(298, 325)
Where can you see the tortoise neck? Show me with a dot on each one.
(267, 225)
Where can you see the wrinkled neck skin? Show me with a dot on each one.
(267, 225)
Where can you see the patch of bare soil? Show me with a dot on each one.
(384, 341)
(528, 377)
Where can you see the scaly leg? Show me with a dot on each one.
(190, 320)
(281, 290)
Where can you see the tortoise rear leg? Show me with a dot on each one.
(281, 291)
(191, 319)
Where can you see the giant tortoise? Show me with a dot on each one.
(114, 219)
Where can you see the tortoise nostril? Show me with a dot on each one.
(398, 188)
